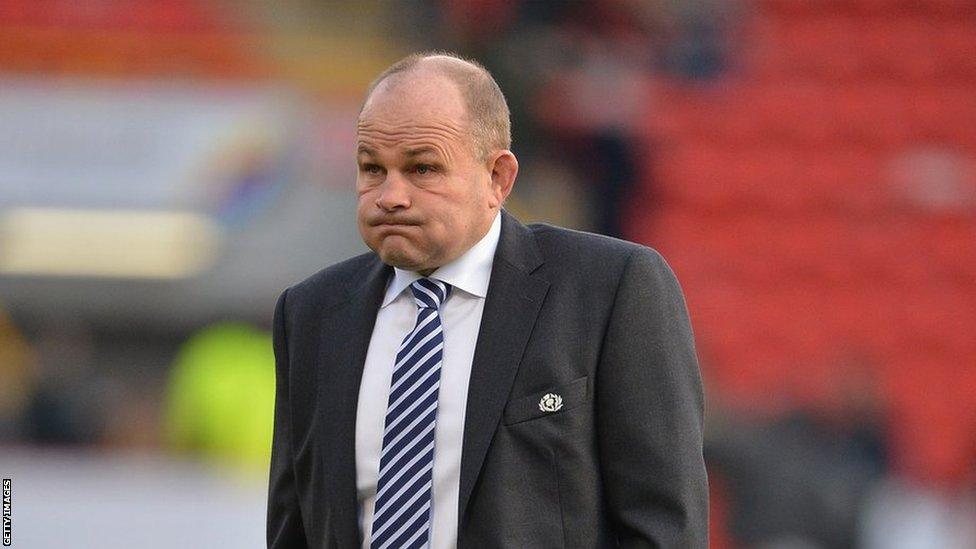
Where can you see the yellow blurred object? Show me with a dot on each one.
(220, 399)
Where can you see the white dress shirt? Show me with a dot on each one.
(461, 321)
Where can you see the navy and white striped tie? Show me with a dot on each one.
(403, 504)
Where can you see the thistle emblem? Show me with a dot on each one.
(551, 402)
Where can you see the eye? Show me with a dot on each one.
(424, 169)
(371, 169)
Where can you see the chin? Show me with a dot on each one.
(397, 257)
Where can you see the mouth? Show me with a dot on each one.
(393, 226)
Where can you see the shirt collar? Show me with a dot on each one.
(469, 273)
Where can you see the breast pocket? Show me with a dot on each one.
(551, 401)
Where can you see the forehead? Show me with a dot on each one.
(421, 111)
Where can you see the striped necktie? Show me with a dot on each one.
(402, 512)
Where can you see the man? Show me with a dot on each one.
(472, 381)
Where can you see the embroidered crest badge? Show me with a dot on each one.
(551, 402)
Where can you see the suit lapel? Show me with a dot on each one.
(346, 346)
(512, 304)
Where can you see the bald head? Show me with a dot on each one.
(434, 167)
(487, 112)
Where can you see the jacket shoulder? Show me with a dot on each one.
(561, 244)
(335, 281)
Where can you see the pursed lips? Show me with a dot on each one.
(395, 226)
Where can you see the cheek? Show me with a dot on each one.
(363, 213)
(475, 202)
(365, 195)
(365, 203)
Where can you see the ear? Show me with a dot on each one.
(503, 167)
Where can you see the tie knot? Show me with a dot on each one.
(430, 293)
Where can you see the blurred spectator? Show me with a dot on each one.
(594, 102)
(580, 80)
(65, 403)
(801, 479)
(17, 377)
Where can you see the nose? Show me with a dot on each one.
(394, 192)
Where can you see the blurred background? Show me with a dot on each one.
(808, 168)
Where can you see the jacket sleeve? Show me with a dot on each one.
(285, 528)
(650, 409)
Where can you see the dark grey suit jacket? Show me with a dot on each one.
(599, 321)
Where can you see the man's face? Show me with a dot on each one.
(424, 195)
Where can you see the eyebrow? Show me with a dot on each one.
(410, 153)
